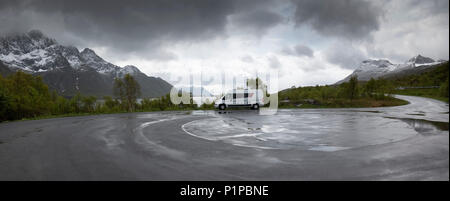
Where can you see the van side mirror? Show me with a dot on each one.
(223, 98)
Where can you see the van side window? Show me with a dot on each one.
(234, 96)
(245, 95)
(239, 95)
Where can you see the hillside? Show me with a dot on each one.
(420, 77)
(67, 70)
(377, 68)
(4, 70)
(431, 82)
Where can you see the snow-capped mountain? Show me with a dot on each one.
(419, 59)
(33, 52)
(375, 68)
(67, 70)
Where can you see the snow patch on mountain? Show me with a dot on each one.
(73, 56)
(419, 59)
(375, 68)
(33, 52)
(96, 62)
(130, 69)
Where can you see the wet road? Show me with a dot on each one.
(394, 143)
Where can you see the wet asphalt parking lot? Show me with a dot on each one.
(392, 143)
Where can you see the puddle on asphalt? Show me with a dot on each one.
(417, 114)
(327, 148)
(424, 126)
(370, 111)
(224, 112)
(198, 112)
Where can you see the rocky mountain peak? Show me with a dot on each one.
(90, 55)
(374, 65)
(130, 69)
(377, 62)
(88, 51)
(25, 43)
(419, 59)
(375, 68)
(36, 34)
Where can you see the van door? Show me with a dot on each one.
(229, 99)
(246, 98)
(240, 98)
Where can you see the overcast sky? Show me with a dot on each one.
(307, 42)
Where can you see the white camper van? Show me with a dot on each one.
(253, 98)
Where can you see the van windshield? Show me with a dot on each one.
(229, 96)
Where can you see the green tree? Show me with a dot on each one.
(29, 96)
(110, 104)
(4, 100)
(257, 83)
(75, 103)
(88, 103)
(443, 89)
(61, 106)
(351, 88)
(127, 90)
(370, 87)
(119, 90)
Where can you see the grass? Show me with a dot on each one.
(357, 103)
(51, 116)
(62, 115)
(428, 93)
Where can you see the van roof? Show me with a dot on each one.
(243, 90)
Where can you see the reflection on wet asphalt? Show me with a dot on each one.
(392, 143)
(323, 129)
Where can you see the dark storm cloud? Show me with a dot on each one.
(135, 25)
(298, 50)
(351, 19)
(345, 55)
(256, 22)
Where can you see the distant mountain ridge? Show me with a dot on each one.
(376, 68)
(67, 70)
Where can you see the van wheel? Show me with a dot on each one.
(222, 107)
(255, 106)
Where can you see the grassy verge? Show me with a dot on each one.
(101, 113)
(428, 93)
(63, 115)
(358, 103)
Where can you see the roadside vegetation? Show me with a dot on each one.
(24, 96)
(374, 93)
(431, 84)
